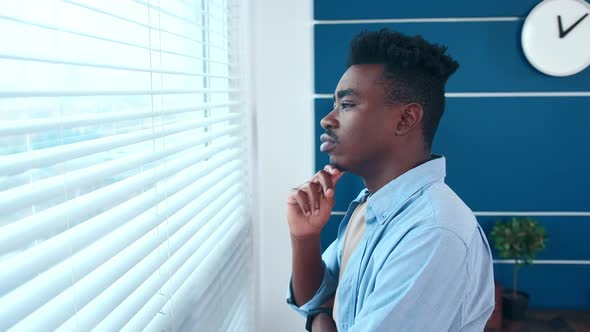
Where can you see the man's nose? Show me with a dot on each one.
(329, 121)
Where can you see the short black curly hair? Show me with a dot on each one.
(414, 71)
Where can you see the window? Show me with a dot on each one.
(123, 182)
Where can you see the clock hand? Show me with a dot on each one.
(562, 33)
(559, 26)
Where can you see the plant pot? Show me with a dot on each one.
(515, 308)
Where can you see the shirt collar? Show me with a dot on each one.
(387, 200)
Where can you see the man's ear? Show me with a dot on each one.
(410, 118)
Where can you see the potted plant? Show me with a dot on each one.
(519, 239)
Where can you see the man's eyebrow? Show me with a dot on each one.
(343, 93)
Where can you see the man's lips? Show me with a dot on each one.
(328, 143)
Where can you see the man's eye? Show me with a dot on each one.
(346, 105)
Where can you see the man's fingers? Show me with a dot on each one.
(336, 177)
(331, 169)
(335, 174)
(325, 181)
(303, 201)
(314, 194)
(291, 199)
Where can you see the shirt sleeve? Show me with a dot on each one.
(420, 287)
(328, 286)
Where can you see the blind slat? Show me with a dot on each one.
(58, 217)
(167, 12)
(234, 304)
(28, 194)
(21, 267)
(111, 40)
(185, 3)
(199, 298)
(126, 19)
(146, 273)
(190, 290)
(122, 165)
(244, 320)
(19, 162)
(189, 301)
(90, 291)
(193, 256)
(88, 93)
(55, 286)
(196, 24)
(30, 126)
(232, 321)
(109, 66)
(206, 302)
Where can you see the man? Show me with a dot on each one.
(410, 255)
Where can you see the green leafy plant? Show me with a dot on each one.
(520, 239)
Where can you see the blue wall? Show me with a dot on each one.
(503, 153)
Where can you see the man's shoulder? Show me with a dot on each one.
(448, 211)
(434, 207)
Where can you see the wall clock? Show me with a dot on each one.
(556, 37)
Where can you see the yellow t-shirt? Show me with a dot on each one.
(354, 233)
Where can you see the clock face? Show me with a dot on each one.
(556, 37)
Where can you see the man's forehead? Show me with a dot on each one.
(358, 80)
(345, 92)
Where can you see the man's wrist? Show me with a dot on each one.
(307, 243)
(306, 238)
(316, 315)
(323, 322)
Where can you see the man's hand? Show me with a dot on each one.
(310, 205)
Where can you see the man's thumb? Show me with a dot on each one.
(336, 177)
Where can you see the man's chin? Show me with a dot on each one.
(337, 165)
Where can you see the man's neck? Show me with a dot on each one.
(380, 175)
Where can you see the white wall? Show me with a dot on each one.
(282, 69)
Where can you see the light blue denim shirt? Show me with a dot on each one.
(423, 264)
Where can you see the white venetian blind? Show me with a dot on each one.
(123, 194)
